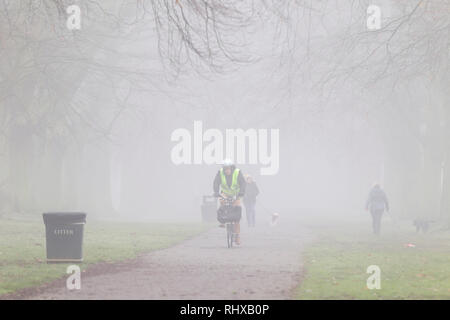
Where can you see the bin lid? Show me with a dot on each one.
(64, 217)
(209, 199)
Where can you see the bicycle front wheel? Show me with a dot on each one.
(230, 235)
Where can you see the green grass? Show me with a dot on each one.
(336, 264)
(22, 247)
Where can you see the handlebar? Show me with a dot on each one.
(225, 197)
(222, 196)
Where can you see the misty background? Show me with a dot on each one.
(86, 115)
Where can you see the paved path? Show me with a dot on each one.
(267, 266)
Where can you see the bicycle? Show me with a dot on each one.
(227, 207)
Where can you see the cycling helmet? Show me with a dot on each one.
(227, 163)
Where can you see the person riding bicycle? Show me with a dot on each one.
(230, 182)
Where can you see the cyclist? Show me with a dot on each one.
(230, 182)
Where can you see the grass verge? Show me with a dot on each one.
(23, 258)
(336, 264)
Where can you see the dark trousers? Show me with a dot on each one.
(376, 221)
(250, 212)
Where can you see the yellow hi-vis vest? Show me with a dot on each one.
(233, 190)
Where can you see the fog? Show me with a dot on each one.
(88, 115)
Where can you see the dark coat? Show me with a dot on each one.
(377, 200)
(251, 192)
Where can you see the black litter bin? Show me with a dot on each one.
(64, 236)
(209, 209)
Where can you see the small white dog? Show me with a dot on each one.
(274, 220)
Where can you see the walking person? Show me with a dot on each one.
(376, 203)
(251, 192)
